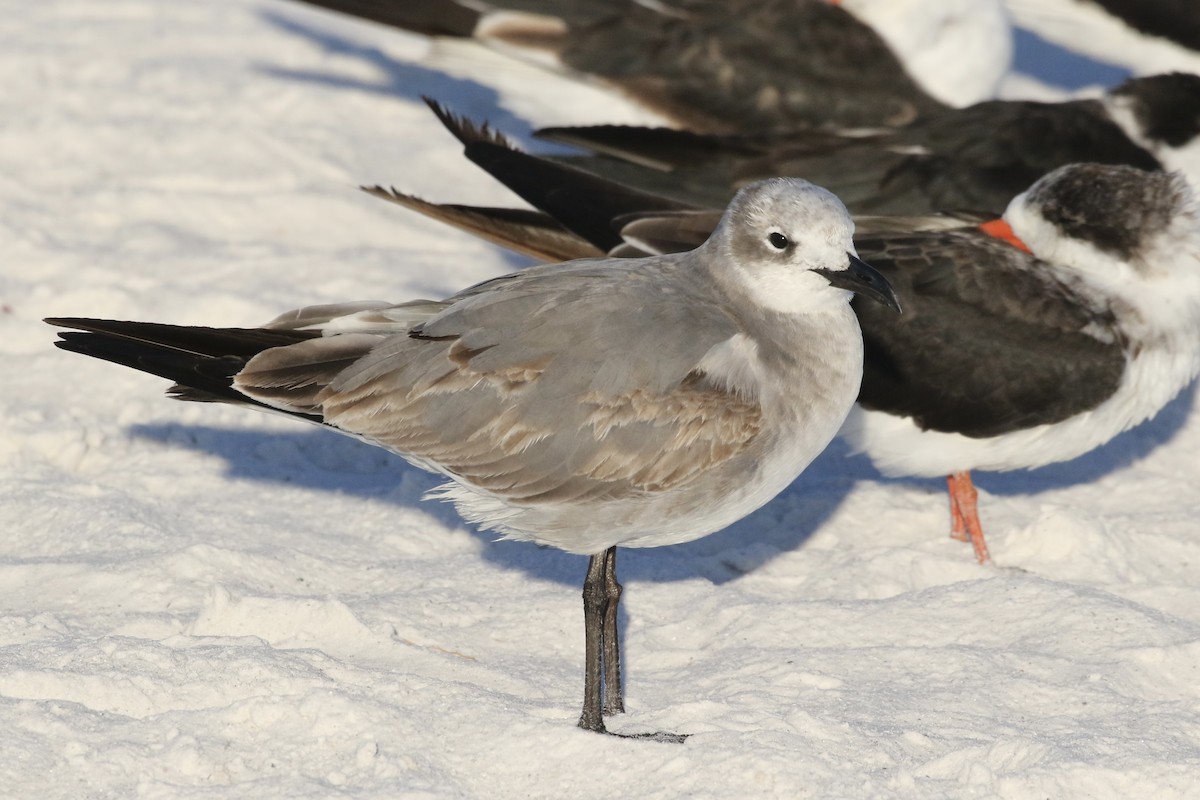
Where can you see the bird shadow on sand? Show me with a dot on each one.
(324, 461)
(397, 79)
(1058, 66)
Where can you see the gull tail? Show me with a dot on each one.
(202, 362)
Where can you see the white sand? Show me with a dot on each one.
(198, 601)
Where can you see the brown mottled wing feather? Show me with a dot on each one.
(528, 232)
(496, 390)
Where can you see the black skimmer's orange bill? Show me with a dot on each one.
(974, 158)
(738, 65)
(1026, 340)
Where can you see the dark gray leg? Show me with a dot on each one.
(594, 602)
(602, 651)
(614, 699)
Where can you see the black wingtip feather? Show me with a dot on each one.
(661, 149)
(465, 130)
(200, 361)
(581, 202)
(189, 339)
(211, 375)
(428, 17)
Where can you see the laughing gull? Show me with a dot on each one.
(975, 158)
(1026, 340)
(586, 405)
(733, 65)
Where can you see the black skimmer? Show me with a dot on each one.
(1142, 36)
(1027, 339)
(738, 65)
(975, 158)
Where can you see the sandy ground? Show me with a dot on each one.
(198, 601)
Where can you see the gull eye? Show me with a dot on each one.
(778, 241)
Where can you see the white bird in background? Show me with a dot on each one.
(957, 50)
(586, 405)
(739, 66)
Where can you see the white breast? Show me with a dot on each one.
(898, 447)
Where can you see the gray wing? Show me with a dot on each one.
(545, 385)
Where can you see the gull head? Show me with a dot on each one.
(789, 245)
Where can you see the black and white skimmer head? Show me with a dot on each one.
(740, 65)
(585, 405)
(1026, 340)
(976, 158)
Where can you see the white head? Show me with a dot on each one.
(1132, 234)
(789, 245)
